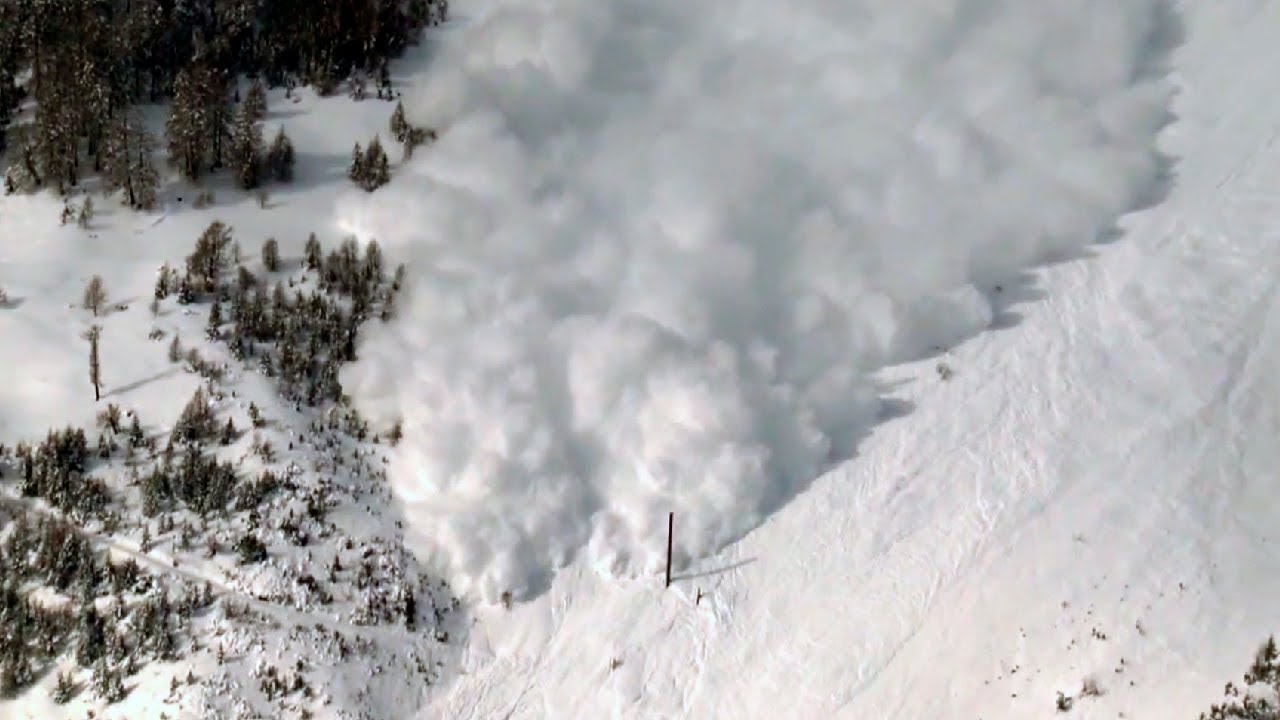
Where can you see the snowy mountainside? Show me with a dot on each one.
(658, 253)
(1086, 503)
(768, 266)
(326, 615)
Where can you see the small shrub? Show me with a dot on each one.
(249, 549)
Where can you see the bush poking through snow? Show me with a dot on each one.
(250, 550)
(1258, 698)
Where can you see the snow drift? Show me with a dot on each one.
(660, 247)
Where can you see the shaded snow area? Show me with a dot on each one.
(660, 248)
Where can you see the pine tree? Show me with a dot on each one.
(95, 369)
(228, 432)
(199, 120)
(281, 158)
(356, 171)
(314, 253)
(128, 161)
(246, 151)
(107, 683)
(185, 126)
(95, 295)
(373, 266)
(57, 137)
(399, 124)
(271, 255)
(92, 642)
(214, 329)
(255, 103)
(376, 166)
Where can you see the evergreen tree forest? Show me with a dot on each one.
(85, 64)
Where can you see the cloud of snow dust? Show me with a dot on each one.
(661, 245)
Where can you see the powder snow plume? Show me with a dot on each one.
(660, 247)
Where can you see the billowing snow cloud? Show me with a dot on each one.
(661, 245)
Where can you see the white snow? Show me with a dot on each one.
(1104, 460)
(697, 257)
(660, 248)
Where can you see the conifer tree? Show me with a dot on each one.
(128, 161)
(281, 158)
(399, 124)
(314, 253)
(246, 151)
(255, 102)
(185, 126)
(214, 329)
(356, 170)
(374, 167)
(271, 255)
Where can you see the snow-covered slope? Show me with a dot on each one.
(690, 256)
(658, 251)
(1089, 496)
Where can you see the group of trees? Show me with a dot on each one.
(57, 471)
(299, 338)
(88, 63)
(111, 644)
(206, 133)
(1258, 697)
(370, 168)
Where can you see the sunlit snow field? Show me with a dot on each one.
(660, 248)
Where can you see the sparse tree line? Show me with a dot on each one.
(1258, 696)
(88, 63)
(296, 335)
(118, 617)
(299, 330)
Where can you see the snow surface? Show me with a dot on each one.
(1091, 495)
(717, 244)
(659, 250)
(44, 384)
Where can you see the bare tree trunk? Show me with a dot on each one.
(671, 524)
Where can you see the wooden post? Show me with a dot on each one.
(671, 523)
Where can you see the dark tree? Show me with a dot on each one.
(369, 169)
(399, 124)
(95, 369)
(247, 151)
(314, 254)
(271, 255)
(281, 158)
(255, 103)
(128, 161)
(356, 171)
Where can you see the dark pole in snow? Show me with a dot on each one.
(671, 523)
